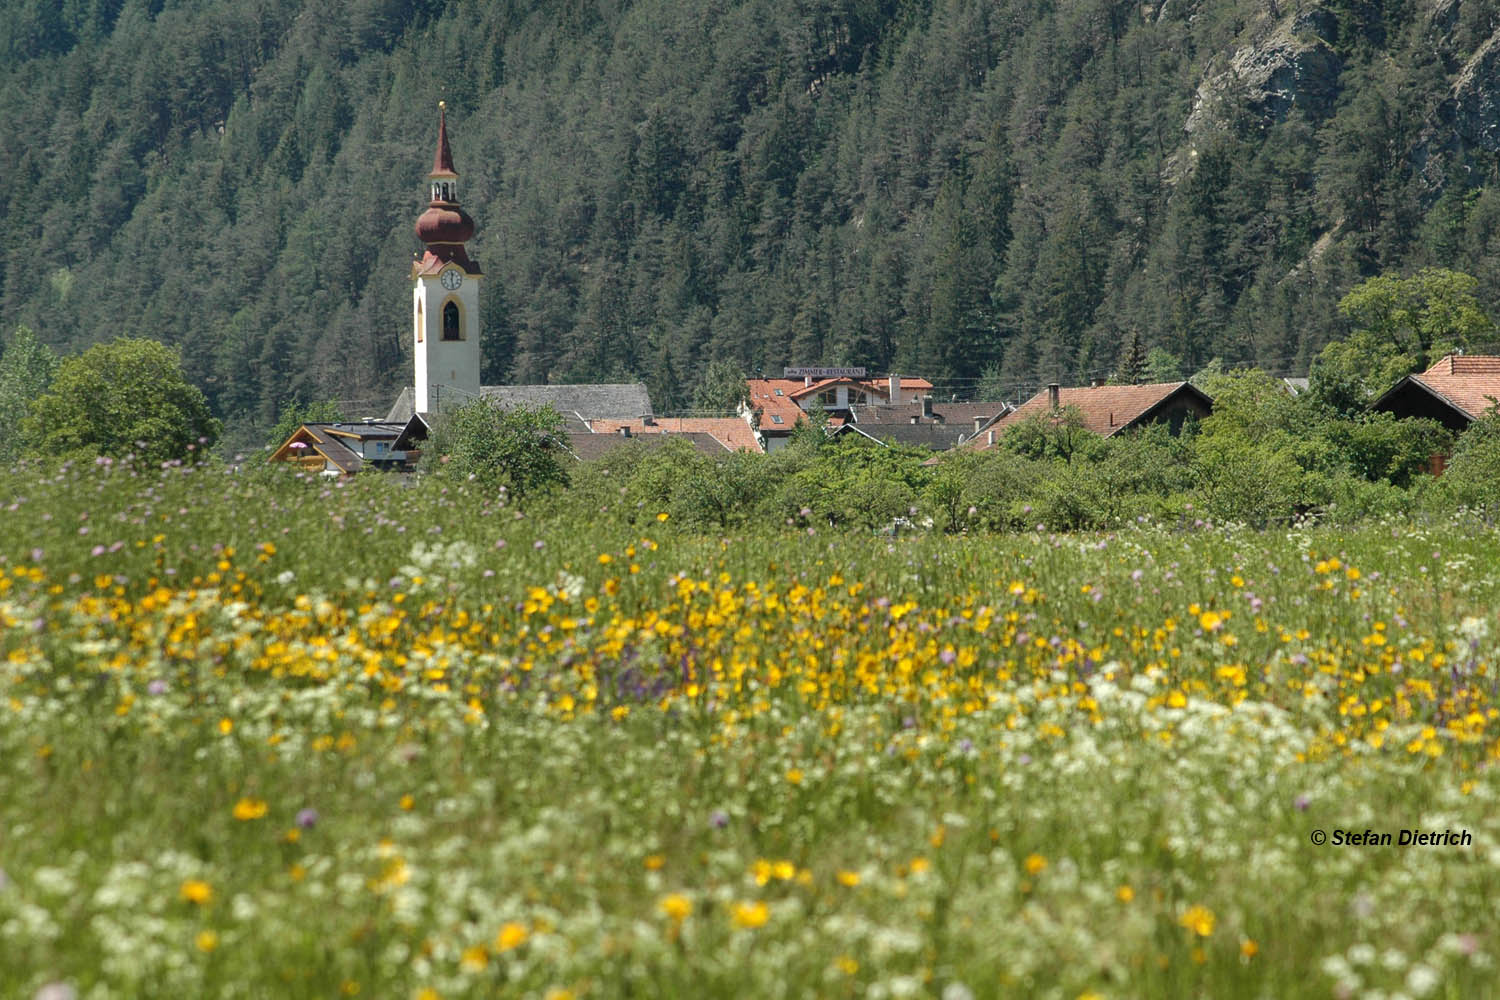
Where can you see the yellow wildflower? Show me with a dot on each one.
(676, 905)
(247, 809)
(750, 915)
(1199, 919)
(196, 891)
(511, 935)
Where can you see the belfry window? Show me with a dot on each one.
(450, 322)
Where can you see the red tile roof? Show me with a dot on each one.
(1468, 383)
(1106, 409)
(733, 433)
(764, 397)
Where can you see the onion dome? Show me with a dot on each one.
(444, 224)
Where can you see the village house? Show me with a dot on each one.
(778, 404)
(1108, 410)
(732, 433)
(923, 423)
(344, 448)
(1455, 391)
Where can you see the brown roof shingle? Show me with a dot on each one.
(1468, 383)
(1106, 409)
(734, 433)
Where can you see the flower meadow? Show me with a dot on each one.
(269, 736)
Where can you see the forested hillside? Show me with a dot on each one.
(985, 192)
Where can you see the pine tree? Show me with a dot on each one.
(26, 370)
(1132, 370)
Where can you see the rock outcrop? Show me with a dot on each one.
(1290, 67)
(1469, 118)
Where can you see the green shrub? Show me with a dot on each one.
(1473, 472)
(516, 449)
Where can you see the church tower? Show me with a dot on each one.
(445, 293)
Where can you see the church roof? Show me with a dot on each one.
(626, 399)
(402, 409)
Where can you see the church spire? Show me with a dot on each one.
(445, 227)
(442, 160)
(446, 319)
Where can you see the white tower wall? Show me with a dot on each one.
(447, 371)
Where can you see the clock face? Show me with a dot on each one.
(452, 279)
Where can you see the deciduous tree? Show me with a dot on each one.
(122, 398)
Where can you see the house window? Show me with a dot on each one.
(780, 393)
(450, 322)
(775, 418)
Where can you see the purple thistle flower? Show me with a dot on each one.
(307, 818)
(718, 819)
(157, 686)
(1301, 803)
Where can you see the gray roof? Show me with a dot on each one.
(374, 430)
(337, 453)
(951, 414)
(937, 437)
(401, 410)
(587, 401)
(577, 403)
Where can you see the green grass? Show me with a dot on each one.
(776, 765)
